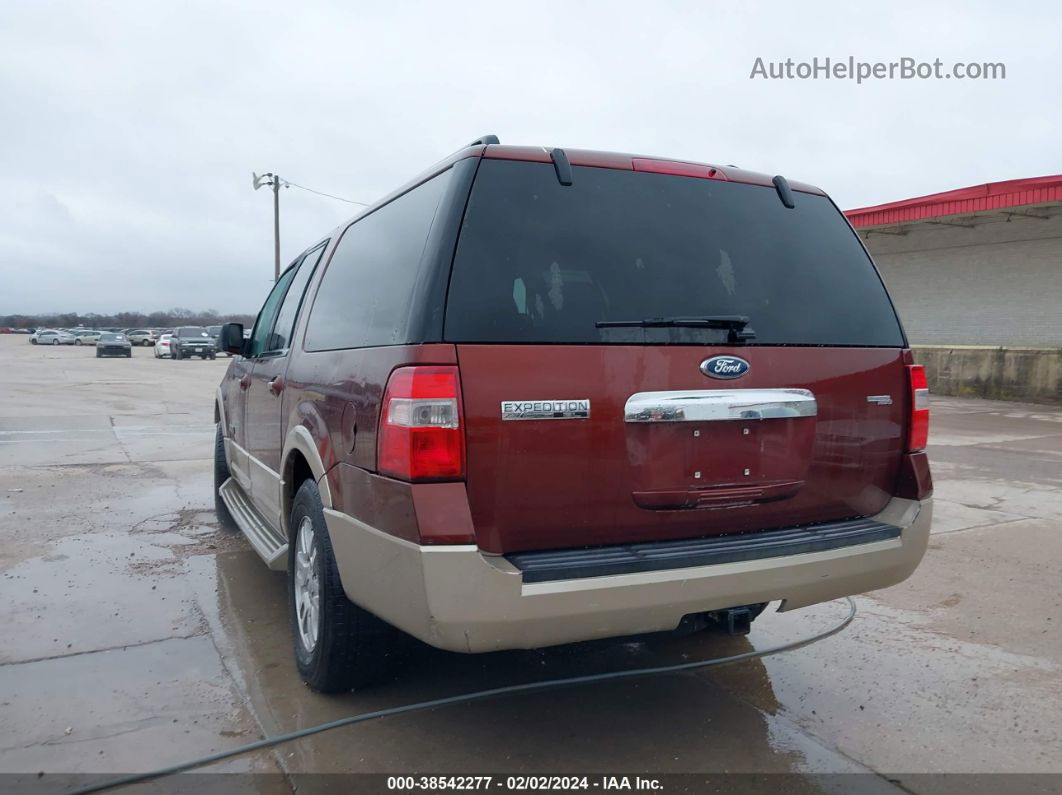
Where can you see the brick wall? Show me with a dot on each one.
(999, 283)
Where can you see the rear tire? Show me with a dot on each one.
(338, 645)
(33, 341)
(77, 342)
(145, 343)
(221, 474)
(176, 354)
(55, 341)
(99, 355)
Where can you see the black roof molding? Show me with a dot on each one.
(562, 166)
(785, 193)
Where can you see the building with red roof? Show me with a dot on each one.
(977, 266)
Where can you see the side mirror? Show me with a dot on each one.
(232, 338)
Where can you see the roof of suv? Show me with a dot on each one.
(629, 162)
(586, 157)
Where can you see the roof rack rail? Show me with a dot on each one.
(486, 139)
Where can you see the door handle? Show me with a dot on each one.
(276, 385)
(245, 381)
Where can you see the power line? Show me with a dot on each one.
(322, 193)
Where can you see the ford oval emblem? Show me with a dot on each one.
(725, 367)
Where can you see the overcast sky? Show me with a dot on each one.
(129, 131)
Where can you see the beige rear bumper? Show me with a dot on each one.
(457, 598)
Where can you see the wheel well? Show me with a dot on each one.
(297, 470)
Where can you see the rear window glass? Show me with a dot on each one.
(541, 262)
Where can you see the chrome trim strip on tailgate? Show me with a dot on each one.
(706, 405)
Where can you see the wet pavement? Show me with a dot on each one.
(136, 633)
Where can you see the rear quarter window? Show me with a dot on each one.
(364, 295)
(539, 262)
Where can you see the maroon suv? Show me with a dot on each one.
(538, 396)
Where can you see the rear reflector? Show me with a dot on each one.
(677, 168)
(421, 435)
(918, 433)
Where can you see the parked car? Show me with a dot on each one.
(53, 337)
(536, 397)
(162, 347)
(143, 336)
(189, 341)
(86, 337)
(112, 344)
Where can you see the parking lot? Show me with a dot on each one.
(136, 633)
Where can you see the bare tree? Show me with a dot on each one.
(158, 319)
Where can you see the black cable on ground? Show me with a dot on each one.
(465, 698)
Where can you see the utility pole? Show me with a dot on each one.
(274, 181)
(276, 228)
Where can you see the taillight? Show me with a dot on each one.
(918, 433)
(421, 435)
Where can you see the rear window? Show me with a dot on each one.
(539, 262)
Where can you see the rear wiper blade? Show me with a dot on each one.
(737, 325)
(710, 321)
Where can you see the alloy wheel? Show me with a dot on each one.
(307, 586)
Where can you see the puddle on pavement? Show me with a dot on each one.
(891, 676)
(142, 560)
(897, 694)
(890, 692)
(678, 723)
(105, 589)
(108, 663)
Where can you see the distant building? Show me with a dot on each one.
(976, 274)
(973, 266)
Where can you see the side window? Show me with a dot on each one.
(264, 325)
(363, 298)
(280, 338)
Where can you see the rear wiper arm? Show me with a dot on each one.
(737, 325)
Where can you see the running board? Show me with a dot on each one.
(271, 547)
